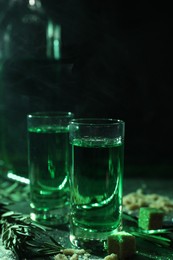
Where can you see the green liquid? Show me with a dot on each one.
(96, 186)
(48, 169)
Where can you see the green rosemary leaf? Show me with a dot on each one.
(162, 241)
(158, 231)
(54, 241)
(9, 213)
(50, 245)
(23, 234)
(129, 217)
(36, 225)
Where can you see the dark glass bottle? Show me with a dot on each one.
(30, 75)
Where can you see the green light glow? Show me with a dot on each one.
(56, 43)
(15, 177)
(51, 168)
(53, 40)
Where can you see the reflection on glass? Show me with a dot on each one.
(53, 40)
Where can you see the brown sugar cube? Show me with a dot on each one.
(150, 218)
(123, 244)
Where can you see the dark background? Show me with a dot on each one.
(115, 62)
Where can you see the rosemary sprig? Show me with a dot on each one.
(21, 235)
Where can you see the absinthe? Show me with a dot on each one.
(49, 166)
(97, 169)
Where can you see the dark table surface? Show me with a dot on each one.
(145, 249)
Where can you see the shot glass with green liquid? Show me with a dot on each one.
(49, 156)
(96, 180)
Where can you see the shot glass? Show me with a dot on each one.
(49, 156)
(96, 180)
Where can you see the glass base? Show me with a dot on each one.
(54, 217)
(89, 239)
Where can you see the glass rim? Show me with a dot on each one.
(96, 121)
(49, 114)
